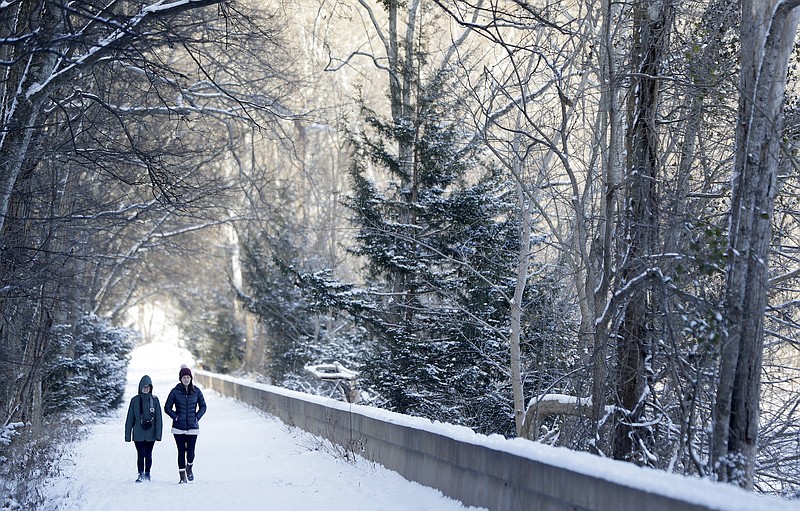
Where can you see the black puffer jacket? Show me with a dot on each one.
(186, 406)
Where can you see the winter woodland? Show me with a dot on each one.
(573, 221)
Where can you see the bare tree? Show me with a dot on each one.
(767, 37)
(38, 59)
(652, 25)
(116, 115)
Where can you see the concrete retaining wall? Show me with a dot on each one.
(489, 472)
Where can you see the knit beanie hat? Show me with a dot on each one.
(184, 372)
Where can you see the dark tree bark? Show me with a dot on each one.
(652, 24)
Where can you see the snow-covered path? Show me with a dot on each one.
(245, 460)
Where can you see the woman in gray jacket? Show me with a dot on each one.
(143, 425)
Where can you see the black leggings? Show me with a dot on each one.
(144, 455)
(185, 445)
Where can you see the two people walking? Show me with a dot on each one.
(185, 405)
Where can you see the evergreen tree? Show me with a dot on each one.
(298, 327)
(87, 367)
(274, 299)
(439, 255)
(214, 335)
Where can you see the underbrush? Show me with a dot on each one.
(29, 456)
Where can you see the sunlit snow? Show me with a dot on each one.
(250, 460)
(245, 460)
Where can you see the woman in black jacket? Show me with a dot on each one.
(143, 426)
(185, 406)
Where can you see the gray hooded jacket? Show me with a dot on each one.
(143, 408)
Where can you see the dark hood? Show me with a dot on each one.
(145, 381)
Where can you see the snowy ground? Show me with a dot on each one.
(245, 460)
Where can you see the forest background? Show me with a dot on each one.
(572, 221)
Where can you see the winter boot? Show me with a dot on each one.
(147, 476)
(182, 473)
(140, 478)
(189, 473)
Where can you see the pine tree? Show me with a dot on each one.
(439, 260)
(86, 368)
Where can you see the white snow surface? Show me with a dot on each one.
(247, 458)
(692, 490)
(244, 460)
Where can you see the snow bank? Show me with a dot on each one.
(703, 493)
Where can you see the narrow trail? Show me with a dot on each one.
(245, 460)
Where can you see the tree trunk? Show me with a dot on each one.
(767, 37)
(402, 88)
(595, 277)
(23, 98)
(523, 264)
(651, 30)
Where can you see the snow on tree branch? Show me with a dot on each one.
(125, 32)
(335, 371)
